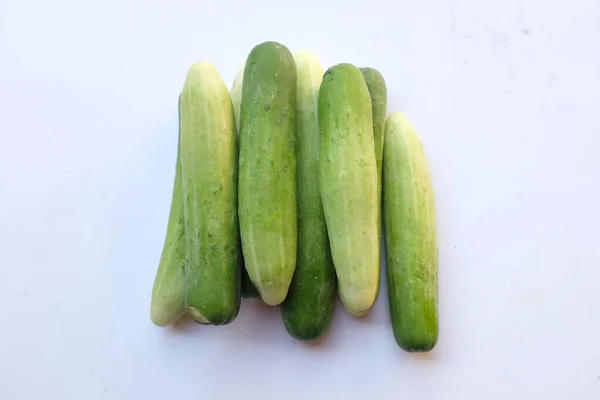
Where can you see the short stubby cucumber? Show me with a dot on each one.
(410, 234)
(308, 307)
(348, 184)
(267, 182)
(167, 301)
(248, 289)
(209, 181)
(378, 92)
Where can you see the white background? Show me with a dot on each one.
(505, 95)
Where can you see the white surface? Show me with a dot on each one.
(505, 95)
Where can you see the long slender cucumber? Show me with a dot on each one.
(168, 290)
(378, 92)
(308, 307)
(267, 183)
(410, 231)
(348, 184)
(209, 181)
(248, 289)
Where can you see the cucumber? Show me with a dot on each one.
(410, 234)
(348, 184)
(167, 301)
(236, 95)
(378, 92)
(308, 307)
(267, 181)
(209, 181)
(248, 289)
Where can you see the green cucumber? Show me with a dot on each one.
(267, 181)
(209, 181)
(410, 235)
(348, 184)
(308, 307)
(167, 304)
(378, 92)
(236, 95)
(248, 289)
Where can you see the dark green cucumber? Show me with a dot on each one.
(267, 168)
(308, 307)
(209, 181)
(167, 302)
(348, 184)
(378, 92)
(410, 232)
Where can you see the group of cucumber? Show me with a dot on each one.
(279, 190)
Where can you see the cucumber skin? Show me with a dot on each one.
(378, 92)
(236, 96)
(248, 289)
(209, 181)
(267, 181)
(308, 307)
(348, 184)
(411, 244)
(167, 304)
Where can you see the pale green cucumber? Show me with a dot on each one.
(348, 184)
(378, 92)
(209, 181)
(267, 182)
(410, 232)
(236, 95)
(308, 307)
(167, 304)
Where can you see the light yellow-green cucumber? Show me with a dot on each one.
(410, 234)
(267, 182)
(348, 184)
(378, 92)
(308, 307)
(209, 180)
(236, 95)
(167, 304)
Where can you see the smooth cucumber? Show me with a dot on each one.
(410, 231)
(236, 95)
(167, 304)
(378, 92)
(348, 184)
(267, 182)
(308, 307)
(209, 181)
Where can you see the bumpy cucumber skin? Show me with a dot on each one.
(348, 184)
(248, 289)
(209, 181)
(411, 244)
(167, 304)
(267, 182)
(308, 307)
(378, 92)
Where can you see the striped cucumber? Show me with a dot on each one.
(248, 289)
(378, 92)
(308, 307)
(267, 182)
(166, 305)
(410, 230)
(209, 181)
(348, 184)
